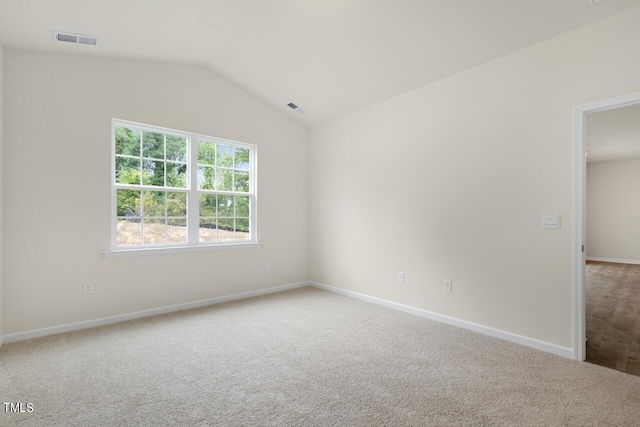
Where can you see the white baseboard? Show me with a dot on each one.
(21, 336)
(486, 330)
(616, 260)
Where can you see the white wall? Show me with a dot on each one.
(613, 209)
(1, 205)
(450, 181)
(614, 134)
(58, 110)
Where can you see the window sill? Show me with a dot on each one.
(118, 253)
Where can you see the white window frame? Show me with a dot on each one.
(193, 196)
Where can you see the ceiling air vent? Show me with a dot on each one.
(298, 109)
(75, 39)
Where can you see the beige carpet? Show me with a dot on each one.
(304, 357)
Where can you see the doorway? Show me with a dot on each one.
(582, 113)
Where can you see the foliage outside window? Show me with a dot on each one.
(176, 188)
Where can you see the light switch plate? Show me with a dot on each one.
(551, 221)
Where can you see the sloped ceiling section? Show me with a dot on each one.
(328, 56)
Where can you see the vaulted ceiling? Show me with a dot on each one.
(329, 56)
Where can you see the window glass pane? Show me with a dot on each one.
(241, 159)
(176, 175)
(176, 148)
(128, 232)
(154, 203)
(242, 206)
(206, 178)
(127, 171)
(153, 173)
(206, 153)
(241, 181)
(225, 229)
(154, 231)
(177, 204)
(153, 145)
(176, 230)
(127, 141)
(224, 179)
(128, 203)
(208, 230)
(242, 229)
(225, 206)
(224, 155)
(208, 205)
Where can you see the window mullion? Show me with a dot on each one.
(193, 199)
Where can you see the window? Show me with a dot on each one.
(173, 189)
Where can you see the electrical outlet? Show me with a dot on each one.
(400, 277)
(87, 287)
(447, 285)
(268, 266)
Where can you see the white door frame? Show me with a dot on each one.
(580, 210)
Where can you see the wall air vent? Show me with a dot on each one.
(75, 39)
(298, 108)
